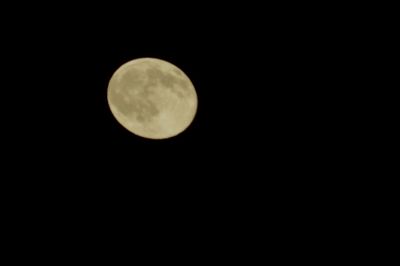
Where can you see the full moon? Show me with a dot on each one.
(152, 98)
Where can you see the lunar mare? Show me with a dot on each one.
(152, 98)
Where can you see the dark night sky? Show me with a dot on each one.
(263, 162)
(258, 74)
(268, 167)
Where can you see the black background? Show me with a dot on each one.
(258, 76)
(264, 136)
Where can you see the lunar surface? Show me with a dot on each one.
(152, 98)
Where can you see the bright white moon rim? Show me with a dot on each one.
(152, 98)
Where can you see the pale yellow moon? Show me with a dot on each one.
(152, 98)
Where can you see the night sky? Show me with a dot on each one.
(264, 131)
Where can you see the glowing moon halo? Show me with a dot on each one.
(152, 98)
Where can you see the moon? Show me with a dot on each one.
(152, 98)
